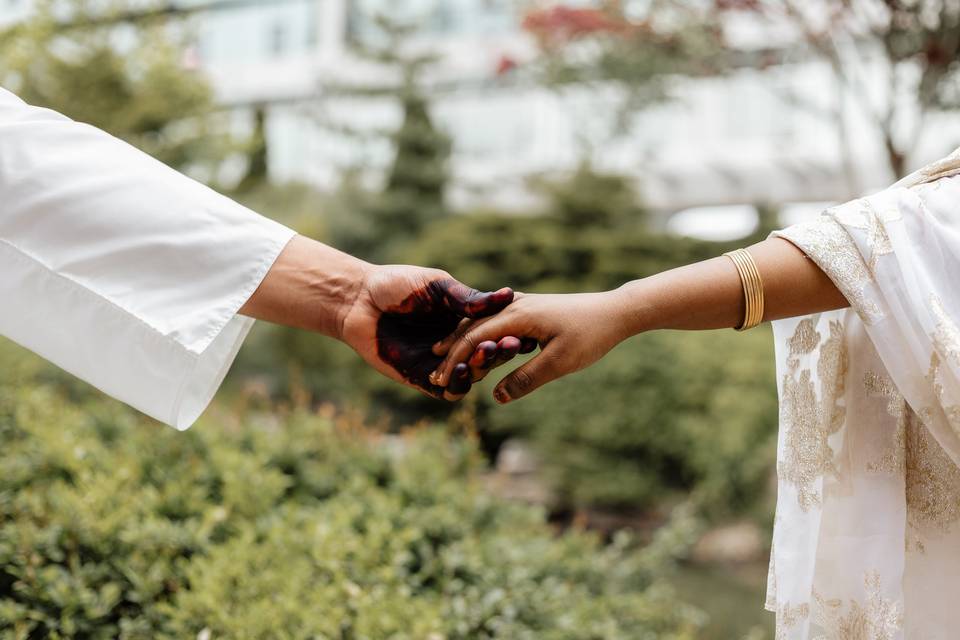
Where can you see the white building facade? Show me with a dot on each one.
(747, 137)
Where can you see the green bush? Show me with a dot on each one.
(291, 524)
(664, 414)
(491, 250)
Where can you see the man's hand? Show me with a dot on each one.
(401, 313)
(392, 316)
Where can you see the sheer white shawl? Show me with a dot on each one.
(866, 541)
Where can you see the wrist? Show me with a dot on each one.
(335, 284)
(310, 286)
(635, 306)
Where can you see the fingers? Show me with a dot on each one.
(481, 360)
(507, 350)
(460, 383)
(471, 303)
(442, 347)
(531, 376)
(528, 345)
(489, 330)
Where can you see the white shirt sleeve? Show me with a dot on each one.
(120, 270)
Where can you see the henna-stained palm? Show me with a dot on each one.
(402, 312)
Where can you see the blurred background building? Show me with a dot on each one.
(754, 134)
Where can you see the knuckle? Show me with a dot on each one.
(471, 340)
(520, 382)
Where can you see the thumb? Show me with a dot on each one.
(531, 376)
(470, 303)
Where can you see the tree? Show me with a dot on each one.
(257, 154)
(595, 200)
(638, 53)
(138, 88)
(913, 44)
(414, 189)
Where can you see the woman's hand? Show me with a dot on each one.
(573, 332)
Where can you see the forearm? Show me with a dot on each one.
(310, 286)
(709, 294)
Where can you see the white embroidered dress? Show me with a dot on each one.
(867, 534)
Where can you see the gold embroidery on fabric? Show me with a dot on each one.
(933, 374)
(867, 219)
(876, 619)
(932, 481)
(789, 617)
(805, 339)
(946, 337)
(893, 459)
(810, 422)
(880, 244)
(829, 244)
(943, 342)
(832, 369)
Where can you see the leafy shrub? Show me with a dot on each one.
(663, 414)
(291, 525)
(491, 250)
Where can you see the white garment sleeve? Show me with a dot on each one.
(120, 270)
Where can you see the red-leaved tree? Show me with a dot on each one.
(897, 59)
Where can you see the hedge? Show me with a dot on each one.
(292, 523)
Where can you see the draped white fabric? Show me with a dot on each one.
(867, 534)
(120, 270)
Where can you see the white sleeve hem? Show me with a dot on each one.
(211, 365)
(117, 352)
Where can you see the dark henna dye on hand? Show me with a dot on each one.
(460, 382)
(528, 345)
(484, 355)
(407, 332)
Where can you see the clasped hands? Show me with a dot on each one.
(425, 329)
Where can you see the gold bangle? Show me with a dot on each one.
(752, 288)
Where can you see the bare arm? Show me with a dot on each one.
(708, 295)
(311, 286)
(391, 315)
(574, 331)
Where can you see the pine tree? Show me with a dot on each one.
(414, 191)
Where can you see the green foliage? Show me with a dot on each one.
(591, 200)
(292, 524)
(414, 193)
(257, 168)
(638, 48)
(543, 254)
(663, 415)
(297, 205)
(133, 87)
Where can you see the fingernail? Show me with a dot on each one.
(460, 384)
(501, 396)
(434, 377)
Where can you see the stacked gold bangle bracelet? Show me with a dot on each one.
(752, 287)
